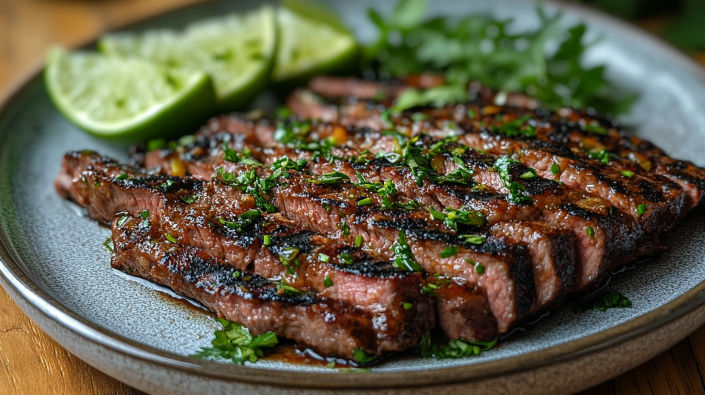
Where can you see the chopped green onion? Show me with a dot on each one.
(627, 173)
(642, 209)
(171, 238)
(267, 240)
(449, 251)
(589, 231)
(555, 169)
(327, 282)
(323, 258)
(358, 241)
(364, 202)
(407, 305)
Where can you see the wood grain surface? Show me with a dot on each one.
(32, 363)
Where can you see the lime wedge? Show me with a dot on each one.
(237, 51)
(127, 99)
(311, 41)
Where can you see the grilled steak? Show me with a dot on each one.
(334, 211)
(650, 198)
(607, 238)
(328, 326)
(192, 212)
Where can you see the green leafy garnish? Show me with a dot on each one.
(627, 173)
(190, 199)
(242, 221)
(545, 62)
(590, 231)
(473, 239)
(453, 217)
(171, 238)
(641, 209)
(456, 348)
(347, 258)
(240, 157)
(235, 343)
(330, 178)
(363, 357)
(601, 155)
(403, 257)
(555, 169)
(323, 258)
(449, 251)
(602, 302)
(516, 190)
(327, 282)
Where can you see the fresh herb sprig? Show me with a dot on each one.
(403, 257)
(236, 343)
(453, 217)
(516, 190)
(546, 63)
(602, 302)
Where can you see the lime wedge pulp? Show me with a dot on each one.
(128, 99)
(311, 41)
(236, 50)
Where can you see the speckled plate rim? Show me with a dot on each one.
(15, 275)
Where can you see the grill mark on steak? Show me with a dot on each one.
(321, 208)
(567, 126)
(328, 326)
(666, 202)
(615, 235)
(375, 289)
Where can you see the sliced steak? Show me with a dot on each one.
(203, 214)
(328, 326)
(328, 209)
(607, 238)
(650, 199)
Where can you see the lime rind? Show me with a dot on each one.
(309, 46)
(237, 51)
(125, 98)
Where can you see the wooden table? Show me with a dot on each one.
(32, 363)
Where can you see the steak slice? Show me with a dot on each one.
(581, 131)
(654, 202)
(458, 307)
(330, 209)
(327, 326)
(167, 206)
(606, 237)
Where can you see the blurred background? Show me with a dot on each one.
(29, 27)
(30, 361)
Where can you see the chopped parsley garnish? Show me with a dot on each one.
(601, 155)
(123, 176)
(347, 258)
(555, 169)
(252, 185)
(243, 157)
(190, 199)
(516, 190)
(288, 255)
(286, 289)
(363, 357)
(364, 202)
(171, 238)
(385, 190)
(122, 220)
(627, 173)
(343, 225)
(358, 241)
(453, 217)
(144, 214)
(641, 209)
(403, 257)
(108, 244)
(473, 239)
(327, 282)
(234, 342)
(602, 302)
(590, 231)
(166, 185)
(456, 348)
(449, 251)
(330, 178)
(517, 127)
(242, 221)
(285, 163)
(595, 128)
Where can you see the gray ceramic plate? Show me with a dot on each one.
(57, 270)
